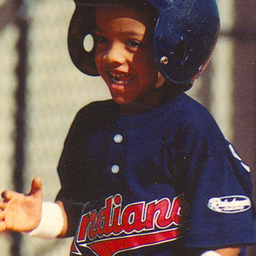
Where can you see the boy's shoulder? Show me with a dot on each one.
(189, 109)
(95, 115)
(186, 113)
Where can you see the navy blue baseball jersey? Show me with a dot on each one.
(163, 182)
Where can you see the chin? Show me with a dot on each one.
(121, 101)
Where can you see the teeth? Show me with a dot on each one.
(119, 75)
(117, 78)
(117, 81)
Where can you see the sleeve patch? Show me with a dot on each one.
(229, 204)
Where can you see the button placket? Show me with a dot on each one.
(116, 156)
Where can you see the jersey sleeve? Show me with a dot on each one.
(217, 186)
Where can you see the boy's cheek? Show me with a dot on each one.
(98, 62)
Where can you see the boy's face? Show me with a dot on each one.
(124, 54)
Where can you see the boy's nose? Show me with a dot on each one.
(114, 55)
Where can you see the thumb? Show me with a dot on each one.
(36, 188)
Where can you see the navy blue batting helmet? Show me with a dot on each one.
(185, 35)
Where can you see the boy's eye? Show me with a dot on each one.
(101, 40)
(133, 43)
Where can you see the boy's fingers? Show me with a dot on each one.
(36, 187)
(2, 216)
(7, 195)
(2, 205)
(2, 226)
(3, 194)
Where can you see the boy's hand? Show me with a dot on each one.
(20, 212)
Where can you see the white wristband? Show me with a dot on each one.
(51, 223)
(210, 253)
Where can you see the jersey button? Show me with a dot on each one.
(115, 169)
(118, 138)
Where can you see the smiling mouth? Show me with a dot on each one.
(120, 78)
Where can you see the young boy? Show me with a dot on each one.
(148, 172)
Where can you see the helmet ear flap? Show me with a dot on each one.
(82, 24)
(184, 38)
(181, 51)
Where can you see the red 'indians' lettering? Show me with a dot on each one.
(134, 218)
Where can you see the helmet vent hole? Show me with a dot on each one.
(88, 43)
(181, 51)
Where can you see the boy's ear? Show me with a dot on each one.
(160, 80)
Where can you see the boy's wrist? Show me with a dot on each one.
(51, 223)
(210, 253)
